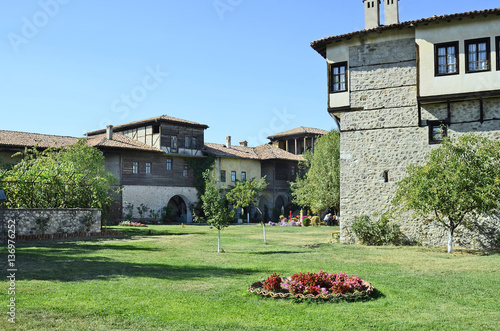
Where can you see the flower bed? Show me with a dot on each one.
(285, 223)
(127, 223)
(321, 285)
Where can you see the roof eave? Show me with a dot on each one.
(321, 44)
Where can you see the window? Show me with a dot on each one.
(446, 58)
(293, 170)
(173, 142)
(135, 167)
(385, 175)
(437, 131)
(169, 164)
(185, 171)
(148, 167)
(193, 142)
(477, 55)
(186, 142)
(243, 176)
(233, 176)
(223, 176)
(338, 77)
(156, 129)
(497, 42)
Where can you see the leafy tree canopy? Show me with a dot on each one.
(245, 193)
(460, 178)
(72, 177)
(215, 204)
(319, 188)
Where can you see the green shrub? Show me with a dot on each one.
(377, 233)
(315, 221)
(306, 221)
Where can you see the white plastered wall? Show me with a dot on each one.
(428, 36)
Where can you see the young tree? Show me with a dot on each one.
(459, 181)
(215, 205)
(319, 188)
(246, 193)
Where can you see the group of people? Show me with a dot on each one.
(331, 220)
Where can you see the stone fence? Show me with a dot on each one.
(51, 221)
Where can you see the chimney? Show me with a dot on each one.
(244, 143)
(391, 10)
(228, 141)
(372, 14)
(109, 132)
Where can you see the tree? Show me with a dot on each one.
(319, 188)
(246, 193)
(459, 181)
(215, 205)
(72, 177)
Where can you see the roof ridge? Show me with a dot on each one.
(42, 134)
(319, 44)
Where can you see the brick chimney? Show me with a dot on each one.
(244, 143)
(372, 14)
(109, 132)
(228, 141)
(391, 10)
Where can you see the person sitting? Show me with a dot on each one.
(328, 219)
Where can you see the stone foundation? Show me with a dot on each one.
(51, 221)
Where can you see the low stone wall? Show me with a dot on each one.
(484, 233)
(51, 221)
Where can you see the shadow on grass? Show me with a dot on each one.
(66, 268)
(130, 231)
(273, 252)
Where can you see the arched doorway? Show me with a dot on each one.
(179, 209)
(280, 203)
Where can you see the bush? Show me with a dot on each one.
(306, 221)
(315, 221)
(381, 232)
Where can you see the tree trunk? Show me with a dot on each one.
(264, 226)
(450, 243)
(218, 244)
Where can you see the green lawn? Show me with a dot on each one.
(172, 278)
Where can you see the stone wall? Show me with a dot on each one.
(157, 197)
(52, 221)
(381, 135)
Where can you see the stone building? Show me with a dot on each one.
(156, 174)
(397, 89)
(246, 163)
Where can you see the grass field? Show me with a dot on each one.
(172, 278)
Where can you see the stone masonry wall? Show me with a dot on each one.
(52, 221)
(382, 136)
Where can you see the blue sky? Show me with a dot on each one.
(243, 67)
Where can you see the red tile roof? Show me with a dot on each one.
(15, 139)
(320, 45)
(298, 131)
(237, 152)
(152, 120)
(25, 139)
(262, 152)
(270, 152)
